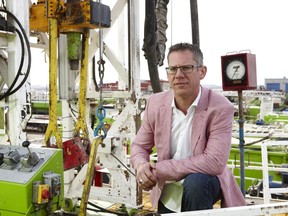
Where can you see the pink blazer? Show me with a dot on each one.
(211, 142)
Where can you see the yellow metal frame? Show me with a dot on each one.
(44, 20)
(38, 18)
(52, 128)
(45, 9)
(89, 175)
(81, 121)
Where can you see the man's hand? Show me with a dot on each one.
(146, 176)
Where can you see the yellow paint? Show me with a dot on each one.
(81, 121)
(89, 175)
(52, 128)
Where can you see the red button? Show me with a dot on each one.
(45, 194)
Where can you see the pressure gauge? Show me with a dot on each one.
(235, 70)
(238, 72)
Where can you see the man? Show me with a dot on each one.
(190, 126)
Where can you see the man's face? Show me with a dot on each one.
(185, 84)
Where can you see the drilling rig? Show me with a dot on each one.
(58, 176)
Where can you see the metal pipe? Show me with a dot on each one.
(241, 142)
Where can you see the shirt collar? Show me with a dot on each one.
(195, 102)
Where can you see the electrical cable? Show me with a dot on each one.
(254, 142)
(94, 73)
(7, 93)
(101, 209)
(123, 164)
(28, 51)
(73, 111)
(29, 54)
(257, 141)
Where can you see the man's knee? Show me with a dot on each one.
(200, 191)
(195, 180)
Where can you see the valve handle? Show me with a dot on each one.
(26, 144)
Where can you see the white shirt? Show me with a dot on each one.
(181, 132)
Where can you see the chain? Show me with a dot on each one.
(100, 111)
(101, 69)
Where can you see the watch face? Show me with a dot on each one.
(235, 70)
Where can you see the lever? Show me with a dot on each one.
(26, 145)
(31, 159)
(1, 158)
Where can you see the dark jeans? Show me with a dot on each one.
(200, 191)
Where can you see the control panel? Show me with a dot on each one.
(31, 180)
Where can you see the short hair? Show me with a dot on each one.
(198, 55)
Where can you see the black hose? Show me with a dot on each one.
(103, 209)
(94, 74)
(29, 54)
(10, 92)
(7, 93)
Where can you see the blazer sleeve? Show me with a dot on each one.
(143, 143)
(212, 147)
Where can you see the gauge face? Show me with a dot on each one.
(235, 70)
(238, 72)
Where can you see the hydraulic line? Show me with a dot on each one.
(10, 91)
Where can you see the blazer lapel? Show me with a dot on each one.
(198, 118)
(197, 127)
(166, 117)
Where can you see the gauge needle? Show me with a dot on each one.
(236, 70)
